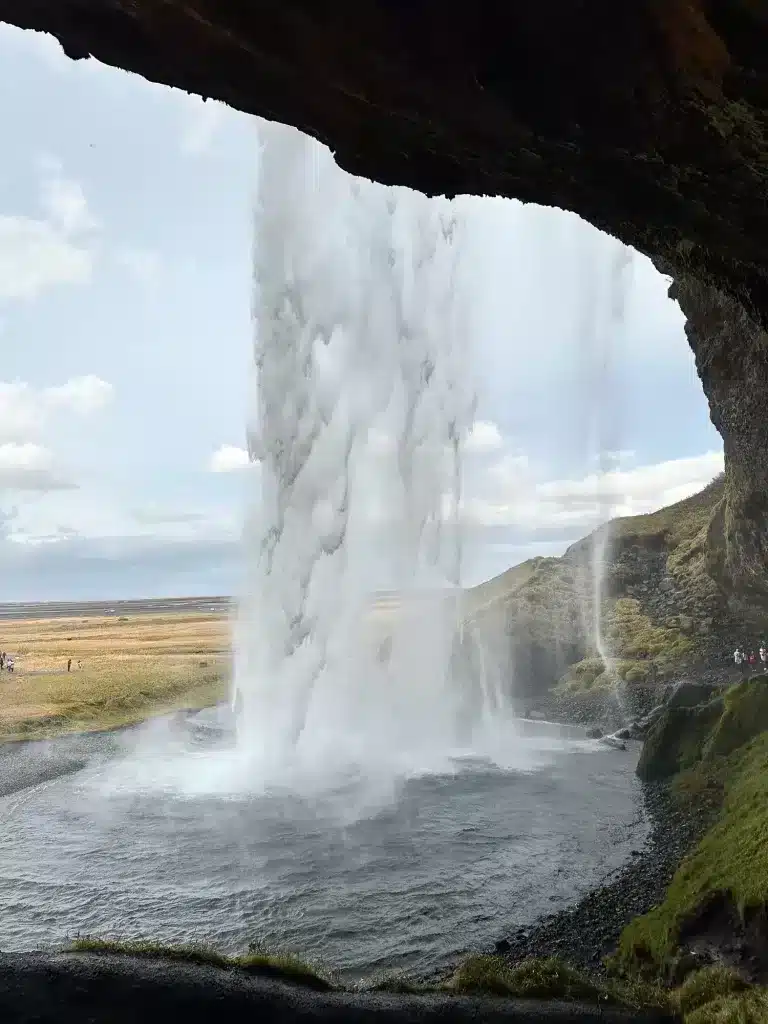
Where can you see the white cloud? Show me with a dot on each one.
(25, 411)
(81, 395)
(34, 255)
(96, 515)
(483, 437)
(37, 253)
(26, 415)
(202, 119)
(639, 490)
(29, 467)
(229, 459)
(510, 494)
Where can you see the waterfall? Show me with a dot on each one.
(606, 339)
(363, 401)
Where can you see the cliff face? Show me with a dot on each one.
(664, 605)
(649, 118)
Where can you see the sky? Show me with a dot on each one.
(126, 219)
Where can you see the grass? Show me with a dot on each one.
(631, 635)
(749, 1007)
(485, 594)
(731, 861)
(483, 976)
(676, 524)
(124, 670)
(707, 986)
(549, 978)
(714, 995)
(276, 965)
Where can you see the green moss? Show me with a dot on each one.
(732, 858)
(584, 675)
(707, 985)
(635, 672)
(640, 649)
(279, 965)
(745, 715)
(631, 635)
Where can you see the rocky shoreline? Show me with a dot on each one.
(585, 933)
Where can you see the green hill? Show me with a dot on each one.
(662, 606)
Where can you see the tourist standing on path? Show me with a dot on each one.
(69, 665)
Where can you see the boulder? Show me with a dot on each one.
(677, 739)
(689, 694)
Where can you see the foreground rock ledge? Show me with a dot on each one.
(647, 117)
(58, 989)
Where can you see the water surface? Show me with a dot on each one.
(366, 874)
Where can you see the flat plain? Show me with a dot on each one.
(76, 673)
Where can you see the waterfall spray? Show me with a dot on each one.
(363, 401)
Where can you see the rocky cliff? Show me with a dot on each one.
(663, 605)
(648, 117)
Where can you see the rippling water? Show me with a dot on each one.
(366, 878)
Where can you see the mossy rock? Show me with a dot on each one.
(677, 739)
(636, 672)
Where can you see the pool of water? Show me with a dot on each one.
(146, 836)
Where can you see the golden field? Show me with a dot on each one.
(124, 670)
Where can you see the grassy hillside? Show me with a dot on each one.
(662, 605)
(716, 906)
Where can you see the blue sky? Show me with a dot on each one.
(125, 337)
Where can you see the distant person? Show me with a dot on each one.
(752, 658)
(69, 665)
(737, 657)
(9, 664)
(763, 655)
(2, 661)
